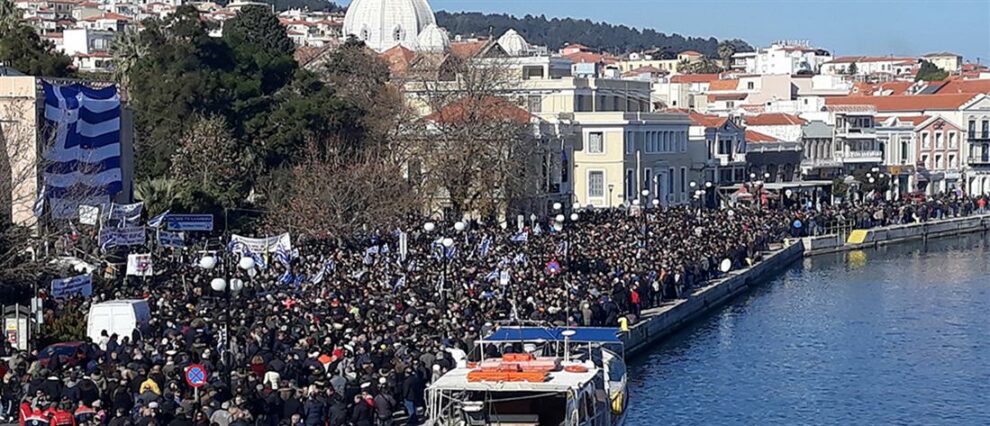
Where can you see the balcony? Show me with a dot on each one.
(860, 156)
(820, 163)
(978, 136)
(979, 160)
(857, 133)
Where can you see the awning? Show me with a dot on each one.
(529, 334)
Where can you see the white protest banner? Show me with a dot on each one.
(139, 265)
(171, 239)
(78, 285)
(260, 245)
(126, 213)
(403, 245)
(89, 215)
(128, 236)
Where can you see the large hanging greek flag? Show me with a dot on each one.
(83, 161)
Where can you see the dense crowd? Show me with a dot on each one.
(350, 334)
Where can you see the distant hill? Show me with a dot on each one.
(555, 33)
(314, 5)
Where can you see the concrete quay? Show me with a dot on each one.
(661, 321)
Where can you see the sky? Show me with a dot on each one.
(844, 27)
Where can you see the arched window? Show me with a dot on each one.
(398, 34)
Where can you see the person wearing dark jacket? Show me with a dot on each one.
(338, 412)
(314, 411)
(361, 414)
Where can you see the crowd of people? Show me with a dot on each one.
(353, 333)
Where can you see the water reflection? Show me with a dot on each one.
(895, 335)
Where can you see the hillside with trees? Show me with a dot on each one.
(556, 32)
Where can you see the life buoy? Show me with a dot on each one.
(576, 369)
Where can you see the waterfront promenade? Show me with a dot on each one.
(659, 322)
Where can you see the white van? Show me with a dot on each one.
(117, 316)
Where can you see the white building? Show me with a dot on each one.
(870, 65)
(782, 57)
(383, 24)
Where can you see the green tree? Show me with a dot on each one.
(258, 26)
(127, 49)
(853, 69)
(158, 195)
(22, 49)
(726, 48)
(703, 66)
(210, 161)
(929, 72)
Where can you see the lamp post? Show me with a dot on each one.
(611, 187)
(558, 225)
(708, 187)
(228, 286)
(642, 211)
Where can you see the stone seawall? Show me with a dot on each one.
(897, 233)
(661, 321)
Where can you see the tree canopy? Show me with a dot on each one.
(930, 72)
(22, 49)
(556, 32)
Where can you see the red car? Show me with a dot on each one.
(70, 354)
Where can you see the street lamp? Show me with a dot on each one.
(611, 186)
(558, 225)
(227, 286)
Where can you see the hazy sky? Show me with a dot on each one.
(846, 27)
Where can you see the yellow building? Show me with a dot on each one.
(618, 155)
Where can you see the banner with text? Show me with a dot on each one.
(139, 265)
(66, 287)
(127, 236)
(171, 239)
(189, 222)
(260, 245)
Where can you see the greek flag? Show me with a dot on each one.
(492, 276)
(39, 204)
(485, 247)
(562, 248)
(259, 261)
(157, 221)
(451, 252)
(233, 246)
(328, 267)
(521, 237)
(83, 163)
(300, 278)
(284, 256)
(109, 240)
(520, 259)
(286, 278)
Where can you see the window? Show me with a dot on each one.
(925, 143)
(535, 104)
(398, 34)
(904, 152)
(596, 143)
(670, 181)
(596, 184)
(683, 180)
(724, 147)
(938, 140)
(953, 144)
(985, 134)
(750, 85)
(924, 161)
(972, 129)
(938, 162)
(683, 139)
(630, 185)
(952, 161)
(630, 142)
(564, 168)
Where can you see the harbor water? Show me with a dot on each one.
(897, 335)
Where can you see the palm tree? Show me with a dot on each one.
(726, 49)
(127, 49)
(158, 194)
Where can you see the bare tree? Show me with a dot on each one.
(338, 196)
(477, 151)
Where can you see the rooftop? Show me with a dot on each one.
(904, 103)
(775, 119)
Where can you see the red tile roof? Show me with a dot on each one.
(690, 53)
(694, 78)
(644, 70)
(905, 103)
(488, 108)
(775, 119)
(757, 137)
(727, 97)
(965, 86)
(398, 58)
(851, 59)
(467, 49)
(723, 85)
(913, 119)
(707, 120)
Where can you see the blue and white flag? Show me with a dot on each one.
(520, 259)
(327, 268)
(300, 278)
(400, 283)
(286, 278)
(492, 276)
(562, 248)
(451, 252)
(485, 247)
(521, 237)
(158, 221)
(171, 239)
(83, 162)
(39, 204)
(66, 287)
(286, 257)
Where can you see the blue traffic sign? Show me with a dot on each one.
(196, 375)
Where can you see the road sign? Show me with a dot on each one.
(189, 222)
(196, 375)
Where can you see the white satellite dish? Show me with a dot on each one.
(725, 266)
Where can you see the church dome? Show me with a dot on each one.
(433, 39)
(383, 24)
(513, 43)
